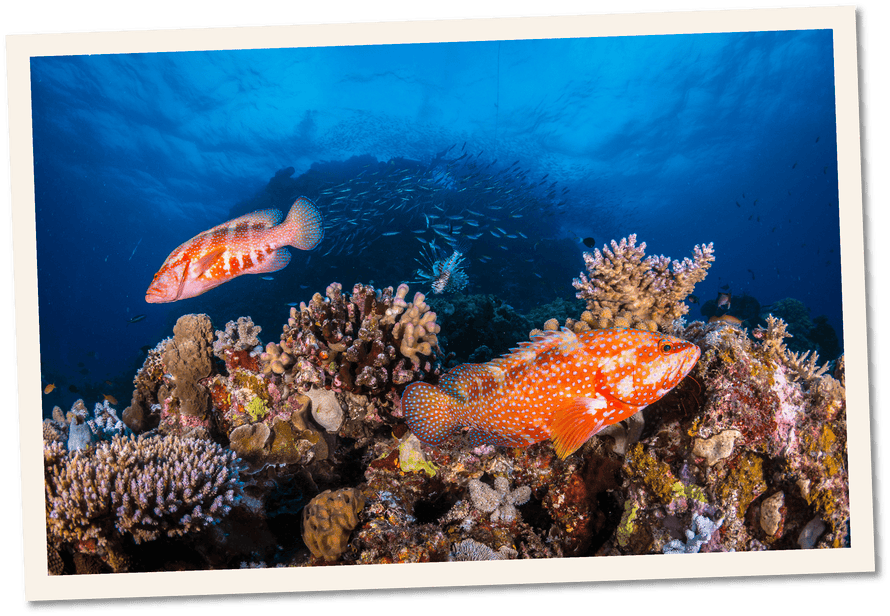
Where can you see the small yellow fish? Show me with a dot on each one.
(49, 388)
(111, 399)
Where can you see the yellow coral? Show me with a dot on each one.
(328, 520)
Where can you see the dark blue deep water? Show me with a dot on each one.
(682, 139)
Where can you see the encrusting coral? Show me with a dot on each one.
(365, 342)
(143, 487)
(624, 289)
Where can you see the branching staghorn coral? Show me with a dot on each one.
(365, 342)
(624, 289)
(145, 487)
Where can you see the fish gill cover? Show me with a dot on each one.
(716, 146)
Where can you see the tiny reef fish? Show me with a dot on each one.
(252, 244)
(561, 385)
(49, 388)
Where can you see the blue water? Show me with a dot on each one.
(682, 139)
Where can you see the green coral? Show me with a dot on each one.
(626, 527)
(411, 458)
(257, 409)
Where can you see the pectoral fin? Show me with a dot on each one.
(581, 418)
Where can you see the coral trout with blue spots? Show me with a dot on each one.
(561, 385)
(252, 244)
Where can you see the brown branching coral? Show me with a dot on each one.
(365, 342)
(145, 487)
(142, 414)
(624, 288)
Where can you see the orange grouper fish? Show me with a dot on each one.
(563, 386)
(252, 244)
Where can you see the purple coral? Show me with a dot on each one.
(145, 487)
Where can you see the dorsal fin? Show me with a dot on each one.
(267, 218)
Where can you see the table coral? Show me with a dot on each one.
(143, 487)
(328, 520)
(624, 289)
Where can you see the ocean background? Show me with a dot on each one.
(680, 139)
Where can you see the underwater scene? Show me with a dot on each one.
(408, 303)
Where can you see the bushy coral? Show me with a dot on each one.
(624, 289)
(78, 430)
(500, 501)
(328, 520)
(143, 413)
(366, 342)
(143, 487)
(240, 335)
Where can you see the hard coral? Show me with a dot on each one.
(624, 289)
(328, 520)
(188, 358)
(142, 415)
(143, 487)
(366, 342)
(241, 335)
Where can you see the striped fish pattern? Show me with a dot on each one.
(561, 385)
(255, 243)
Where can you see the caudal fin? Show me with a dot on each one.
(429, 413)
(304, 224)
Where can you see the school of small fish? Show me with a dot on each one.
(561, 385)
(251, 244)
(456, 198)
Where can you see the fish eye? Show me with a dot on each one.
(666, 347)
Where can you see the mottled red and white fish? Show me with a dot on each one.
(561, 385)
(252, 244)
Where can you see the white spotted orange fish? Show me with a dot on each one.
(252, 244)
(563, 386)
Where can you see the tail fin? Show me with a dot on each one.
(429, 413)
(305, 224)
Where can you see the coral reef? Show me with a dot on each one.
(142, 488)
(78, 430)
(624, 289)
(700, 533)
(240, 335)
(499, 501)
(144, 411)
(367, 342)
(470, 549)
(328, 519)
(188, 358)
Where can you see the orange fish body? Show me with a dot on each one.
(252, 244)
(563, 386)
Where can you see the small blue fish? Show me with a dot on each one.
(267, 278)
